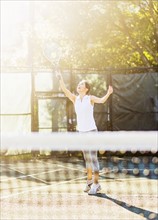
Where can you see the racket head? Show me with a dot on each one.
(52, 52)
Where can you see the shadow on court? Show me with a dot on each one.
(142, 212)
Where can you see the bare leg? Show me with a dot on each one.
(88, 161)
(92, 164)
(89, 173)
(96, 177)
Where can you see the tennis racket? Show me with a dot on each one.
(53, 53)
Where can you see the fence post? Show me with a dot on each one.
(109, 103)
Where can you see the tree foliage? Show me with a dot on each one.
(96, 34)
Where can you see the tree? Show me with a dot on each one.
(96, 34)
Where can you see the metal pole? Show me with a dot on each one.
(110, 124)
(34, 101)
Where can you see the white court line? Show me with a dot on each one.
(70, 168)
(29, 175)
(60, 193)
(100, 173)
(40, 187)
(135, 179)
(32, 175)
(12, 164)
(83, 193)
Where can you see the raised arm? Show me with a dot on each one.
(71, 96)
(95, 99)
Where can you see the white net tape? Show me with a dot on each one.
(111, 141)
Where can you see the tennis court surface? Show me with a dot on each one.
(52, 188)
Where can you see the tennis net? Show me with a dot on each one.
(43, 176)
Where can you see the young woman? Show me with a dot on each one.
(84, 108)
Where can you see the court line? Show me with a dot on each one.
(111, 170)
(100, 192)
(60, 193)
(67, 167)
(29, 176)
(136, 179)
(63, 166)
(43, 172)
(40, 187)
(100, 173)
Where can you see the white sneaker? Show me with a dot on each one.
(88, 186)
(94, 189)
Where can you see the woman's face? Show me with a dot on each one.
(81, 87)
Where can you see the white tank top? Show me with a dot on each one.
(84, 111)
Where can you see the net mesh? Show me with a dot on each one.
(48, 183)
